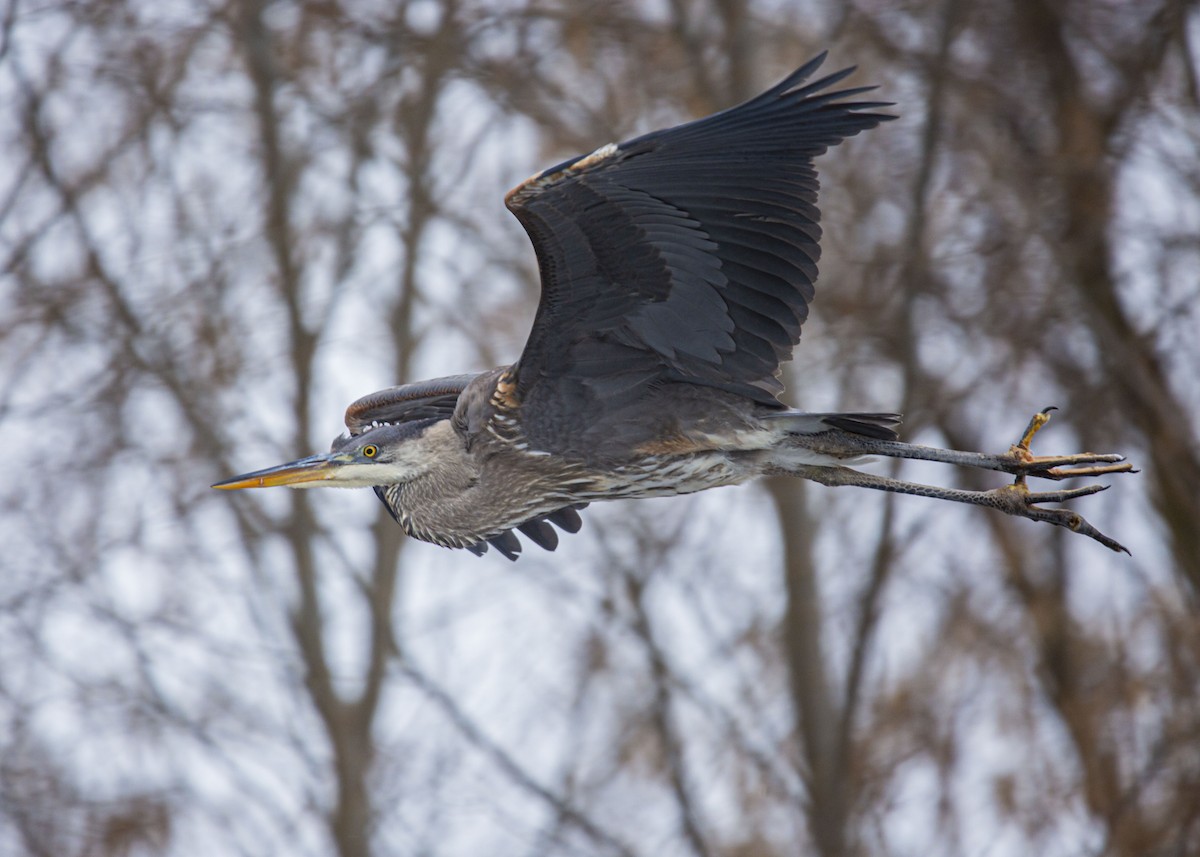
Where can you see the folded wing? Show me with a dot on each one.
(432, 400)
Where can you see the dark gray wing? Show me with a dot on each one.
(687, 254)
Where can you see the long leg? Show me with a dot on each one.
(1015, 499)
(1018, 461)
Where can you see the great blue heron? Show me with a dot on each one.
(676, 271)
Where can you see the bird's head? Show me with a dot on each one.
(385, 455)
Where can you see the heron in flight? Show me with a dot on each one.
(676, 272)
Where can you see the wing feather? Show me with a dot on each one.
(685, 255)
(433, 399)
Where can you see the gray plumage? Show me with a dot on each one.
(677, 269)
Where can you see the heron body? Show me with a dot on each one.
(676, 273)
(477, 476)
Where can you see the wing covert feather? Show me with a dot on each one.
(435, 398)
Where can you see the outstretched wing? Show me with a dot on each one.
(687, 254)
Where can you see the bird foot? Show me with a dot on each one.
(1017, 499)
(1019, 462)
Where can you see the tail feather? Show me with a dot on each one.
(874, 425)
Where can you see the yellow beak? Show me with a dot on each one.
(315, 468)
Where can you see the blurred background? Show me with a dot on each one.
(223, 220)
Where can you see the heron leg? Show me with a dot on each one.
(1015, 499)
(1019, 461)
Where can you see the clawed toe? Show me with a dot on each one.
(1034, 498)
(1057, 473)
(1019, 462)
(1057, 467)
(1023, 503)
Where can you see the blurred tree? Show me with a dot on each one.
(220, 222)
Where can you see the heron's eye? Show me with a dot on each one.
(370, 450)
